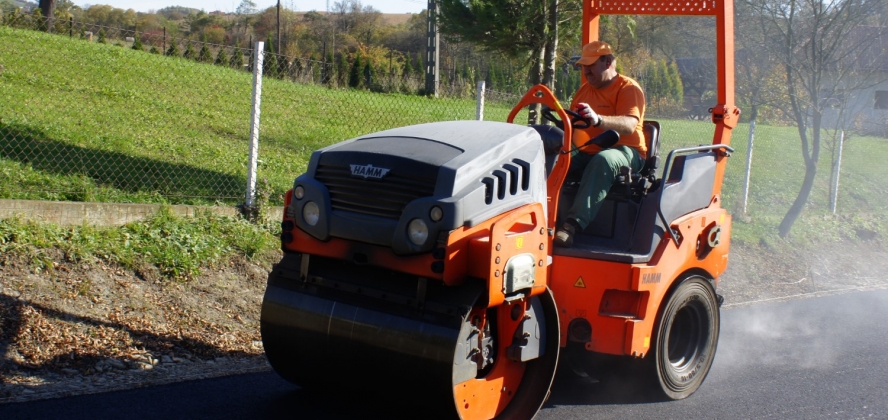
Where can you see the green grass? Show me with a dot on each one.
(178, 247)
(90, 122)
(94, 122)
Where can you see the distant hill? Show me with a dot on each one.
(388, 18)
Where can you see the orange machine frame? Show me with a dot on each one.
(621, 301)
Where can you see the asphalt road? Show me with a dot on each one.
(802, 359)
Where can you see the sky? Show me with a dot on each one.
(384, 6)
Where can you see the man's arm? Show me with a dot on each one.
(622, 124)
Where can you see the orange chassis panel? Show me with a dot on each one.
(481, 251)
(585, 288)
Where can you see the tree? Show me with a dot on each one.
(812, 39)
(237, 59)
(137, 44)
(47, 8)
(173, 50)
(354, 75)
(204, 55)
(368, 75)
(530, 30)
(189, 52)
(102, 39)
(221, 58)
(270, 61)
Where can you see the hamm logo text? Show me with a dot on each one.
(368, 171)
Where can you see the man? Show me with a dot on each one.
(610, 101)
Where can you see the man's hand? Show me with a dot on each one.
(587, 113)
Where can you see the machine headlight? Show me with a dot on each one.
(299, 192)
(417, 231)
(436, 214)
(311, 213)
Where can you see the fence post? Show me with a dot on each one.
(748, 164)
(837, 166)
(479, 112)
(70, 27)
(254, 125)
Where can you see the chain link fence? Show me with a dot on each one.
(93, 113)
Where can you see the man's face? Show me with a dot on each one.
(595, 72)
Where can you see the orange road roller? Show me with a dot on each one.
(420, 261)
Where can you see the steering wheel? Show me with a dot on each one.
(576, 120)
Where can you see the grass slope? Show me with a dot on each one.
(113, 124)
(95, 122)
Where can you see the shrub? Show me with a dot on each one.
(204, 55)
(102, 39)
(137, 44)
(237, 59)
(354, 75)
(221, 58)
(173, 50)
(189, 52)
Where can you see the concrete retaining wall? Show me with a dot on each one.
(100, 214)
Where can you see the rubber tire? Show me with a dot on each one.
(686, 338)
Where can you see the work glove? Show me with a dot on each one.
(587, 113)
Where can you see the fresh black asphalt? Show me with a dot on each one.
(810, 358)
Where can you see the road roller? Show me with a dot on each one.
(419, 261)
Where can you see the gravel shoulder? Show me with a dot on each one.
(71, 328)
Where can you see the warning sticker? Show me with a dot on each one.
(580, 283)
(519, 242)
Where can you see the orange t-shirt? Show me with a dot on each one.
(622, 97)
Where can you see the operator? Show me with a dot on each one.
(609, 101)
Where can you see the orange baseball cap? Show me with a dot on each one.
(593, 50)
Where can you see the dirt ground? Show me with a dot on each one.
(69, 328)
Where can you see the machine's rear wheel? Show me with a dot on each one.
(686, 338)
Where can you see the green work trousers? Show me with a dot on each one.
(599, 171)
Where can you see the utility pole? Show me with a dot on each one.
(279, 27)
(431, 84)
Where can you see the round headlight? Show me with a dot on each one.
(436, 214)
(417, 231)
(298, 192)
(311, 213)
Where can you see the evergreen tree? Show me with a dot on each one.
(368, 75)
(665, 82)
(189, 52)
(269, 63)
(102, 39)
(419, 68)
(154, 50)
(137, 44)
(237, 59)
(283, 68)
(341, 70)
(354, 75)
(328, 72)
(173, 50)
(408, 68)
(315, 67)
(677, 93)
(204, 55)
(221, 58)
